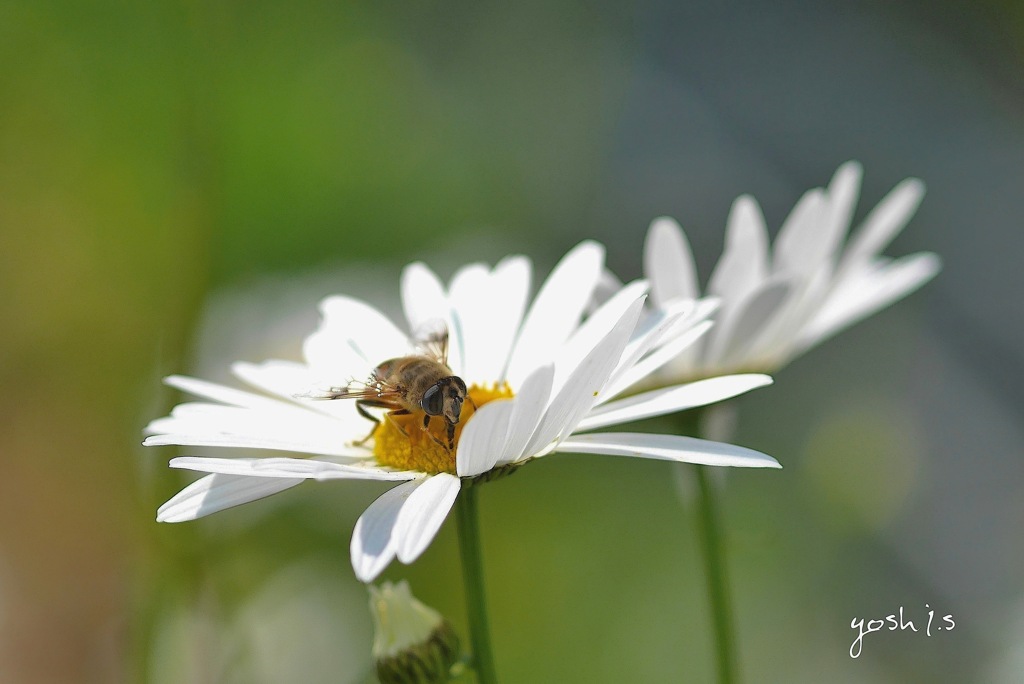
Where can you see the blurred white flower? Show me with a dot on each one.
(412, 642)
(776, 303)
(537, 381)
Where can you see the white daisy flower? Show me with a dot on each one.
(777, 303)
(539, 381)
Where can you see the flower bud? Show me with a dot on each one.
(412, 643)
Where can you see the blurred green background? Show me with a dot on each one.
(180, 182)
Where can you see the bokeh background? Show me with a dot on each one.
(180, 182)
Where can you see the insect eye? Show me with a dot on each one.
(433, 401)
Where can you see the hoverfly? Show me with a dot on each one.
(420, 382)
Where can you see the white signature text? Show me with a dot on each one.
(892, 623)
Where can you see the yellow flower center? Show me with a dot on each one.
(400, 441)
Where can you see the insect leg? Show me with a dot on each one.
(451, 431)
(451, 436)
(361, 405)
(398, 412)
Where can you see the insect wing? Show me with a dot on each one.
(431, 340)
(355, 390)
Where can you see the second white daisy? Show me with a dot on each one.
(779, 301)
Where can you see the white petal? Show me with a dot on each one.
(843, 191)
(295, 382)
(373, 543)
(289, 468)
(668, 263)
(352, 334)
(423, 513)
(584, 386)
(670, 399)
(883, 224)
(217, 492)
(244, 442)
(510, 291)
(483, 439)
(225, 395)
(668, 448)
(861, 297)
(635, 373)
(423, 296)
(218, 419)
(680, 342)
(282, 378)
(652, 330)
(215, 416)
(738, 325)
(557, 309)
(807, 238)
(489, 307)
(607, 285)
(595, 328)
(221, 428)
(744, 262)
(773, 344)
(527, 409)
(467, 298)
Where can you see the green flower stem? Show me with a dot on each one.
(699, 494)
(473, 576)
(710, 531)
